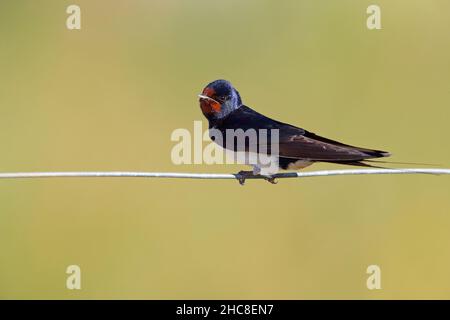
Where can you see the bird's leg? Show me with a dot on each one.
(257, 170)
(270, 179)
(242, 175)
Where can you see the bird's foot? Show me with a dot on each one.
(243, 175)
(270, 179)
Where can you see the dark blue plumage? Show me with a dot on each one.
(222, 105)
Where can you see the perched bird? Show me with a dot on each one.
(298, 148)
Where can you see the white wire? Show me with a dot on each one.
(131, 174)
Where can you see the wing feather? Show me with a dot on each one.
(297, 143)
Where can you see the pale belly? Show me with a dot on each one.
(262, 164)
(299, 164)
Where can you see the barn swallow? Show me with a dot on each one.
(298, 148)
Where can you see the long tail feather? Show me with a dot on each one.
(413, 163)
(358, 164)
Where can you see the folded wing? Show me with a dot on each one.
(297, 143)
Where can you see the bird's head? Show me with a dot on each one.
(218, 99)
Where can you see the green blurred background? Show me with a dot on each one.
(108, 96)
